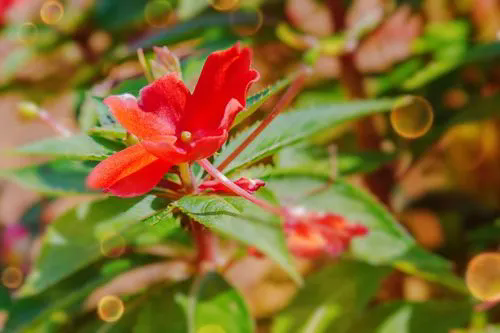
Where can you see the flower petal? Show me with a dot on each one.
(226, 75)
(165, 98)
(117, 173)
(141, 182)
(127, 112)
(165, 148)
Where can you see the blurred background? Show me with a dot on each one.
(443, 156)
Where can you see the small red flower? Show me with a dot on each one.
(312, 234)
(249, 185)
(174, 125)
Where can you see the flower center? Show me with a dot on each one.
(186, 136)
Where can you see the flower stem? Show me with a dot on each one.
(55, 125)
(285, 100)
(186, 177)
(205, 243)
(212, 171)
(145, 65)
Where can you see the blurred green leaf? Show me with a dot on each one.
(162, 312)
(190, 8)
(332, 299)
(130, 86)
(404, 317)
(59, 302)
(74, 240)
(117, 14)
(387, 242)
(53, 178)
(241, 220)
(79, 146)
(291, 127)
(215, 306)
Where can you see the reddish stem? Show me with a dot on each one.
(212, 171)
(282, 104)
(206, 247)
(56, 126)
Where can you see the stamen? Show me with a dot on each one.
(186, 136)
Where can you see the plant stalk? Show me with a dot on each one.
(215, 173)
(282, 104)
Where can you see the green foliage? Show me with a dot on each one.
(75, 239)
(53, 178)
(213, 303)
(297, 125)
(332, 299)
(403, 317)
(239, 219)
(386, 244)
(79, 147)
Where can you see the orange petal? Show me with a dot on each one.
(116, 172)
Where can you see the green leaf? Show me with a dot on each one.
(332, 299)
(241, 220)
(404, 317)
(80, 146)
(131, 86)
(292, 127)
(73, 241)
(162, 312)
(215, 306)
(386, 244)
(53, 178)
(62, 300)
(254, 102)
(116, 14)
(310, 159)
(190, 8)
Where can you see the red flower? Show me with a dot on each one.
(4, 7)
(312, 234)
(249, 185)
(174, 125)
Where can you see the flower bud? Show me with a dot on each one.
(28, 111)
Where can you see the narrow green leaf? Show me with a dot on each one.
(404, 317)
(80, 146)
(73, 241)
(53, 178)
(254, 102)
(130, 86)
(331, 299)
(386, 244)
(242, 220)
(291, 127)
(215, 306)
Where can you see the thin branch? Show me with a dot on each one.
(282, 104)
(212, 171)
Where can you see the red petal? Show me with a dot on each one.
(226, 75)
(165, 98)
(249, 185)
(130, 172)
(164, 147)
(141, 182)
(158, 110)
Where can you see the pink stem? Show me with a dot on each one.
(57, 127)
(212, 171)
